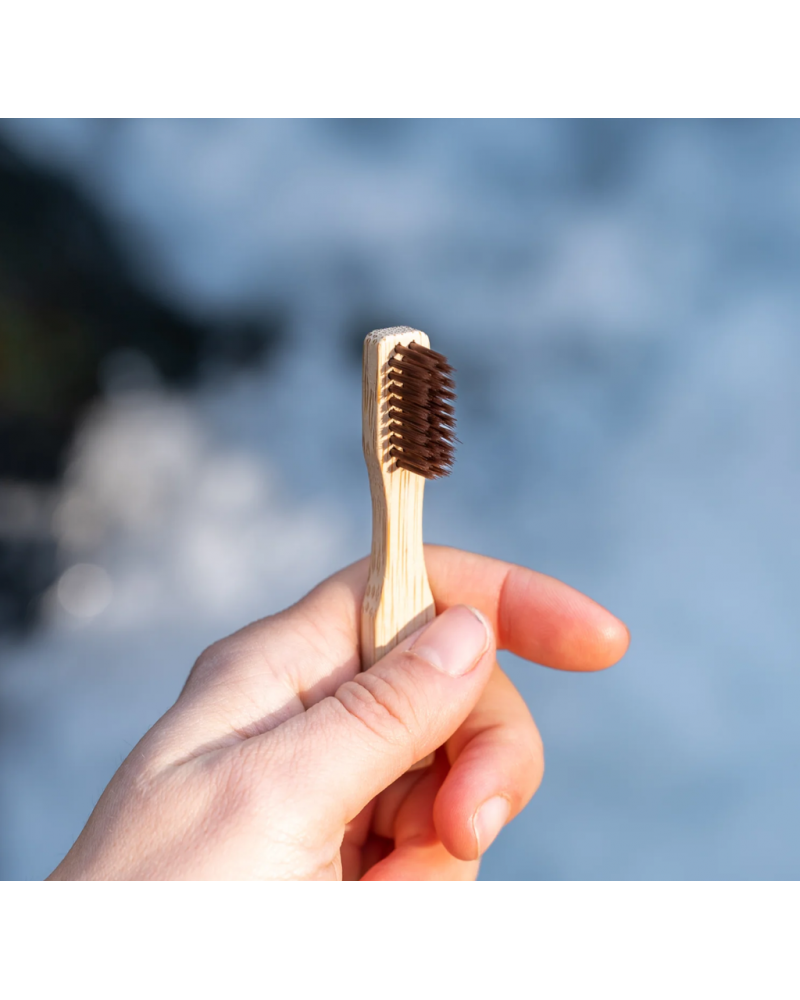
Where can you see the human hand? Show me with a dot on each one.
(280, 760)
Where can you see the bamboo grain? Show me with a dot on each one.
(398, 599)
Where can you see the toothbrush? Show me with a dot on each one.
(409, 436)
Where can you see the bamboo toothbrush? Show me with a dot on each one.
(409, 436)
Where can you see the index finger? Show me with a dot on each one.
(534, 616)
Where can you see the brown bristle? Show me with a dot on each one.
(421, 417)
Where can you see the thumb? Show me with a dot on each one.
(354, 744)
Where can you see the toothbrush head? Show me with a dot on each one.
(421, 417)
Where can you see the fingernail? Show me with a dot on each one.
(489, 820)
(455, 641)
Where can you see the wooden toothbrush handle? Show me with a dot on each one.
(392, 609)
(398, 598)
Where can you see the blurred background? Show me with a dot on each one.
(182, 308)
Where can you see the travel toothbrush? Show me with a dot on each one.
(409, 436)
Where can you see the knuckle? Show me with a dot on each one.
(218, 659)
(380, 706)
(523, 754)
(530, 750)
(535, 755)
(208, 662)
(538, 773)
(525, 744)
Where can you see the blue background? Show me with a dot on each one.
(621, 301)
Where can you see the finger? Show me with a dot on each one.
(375, 850)
(497, 763)
(348, 748)
(388, 803)
(422, 863)
(357, 835)
(496, 752)
(533, 615)
(418, 853)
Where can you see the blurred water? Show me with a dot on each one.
(621, 303)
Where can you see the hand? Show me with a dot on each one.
(280, 760)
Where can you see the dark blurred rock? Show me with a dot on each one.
(68, 304)
(235, 343)
(65, 303)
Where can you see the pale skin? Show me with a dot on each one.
(280, 760)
